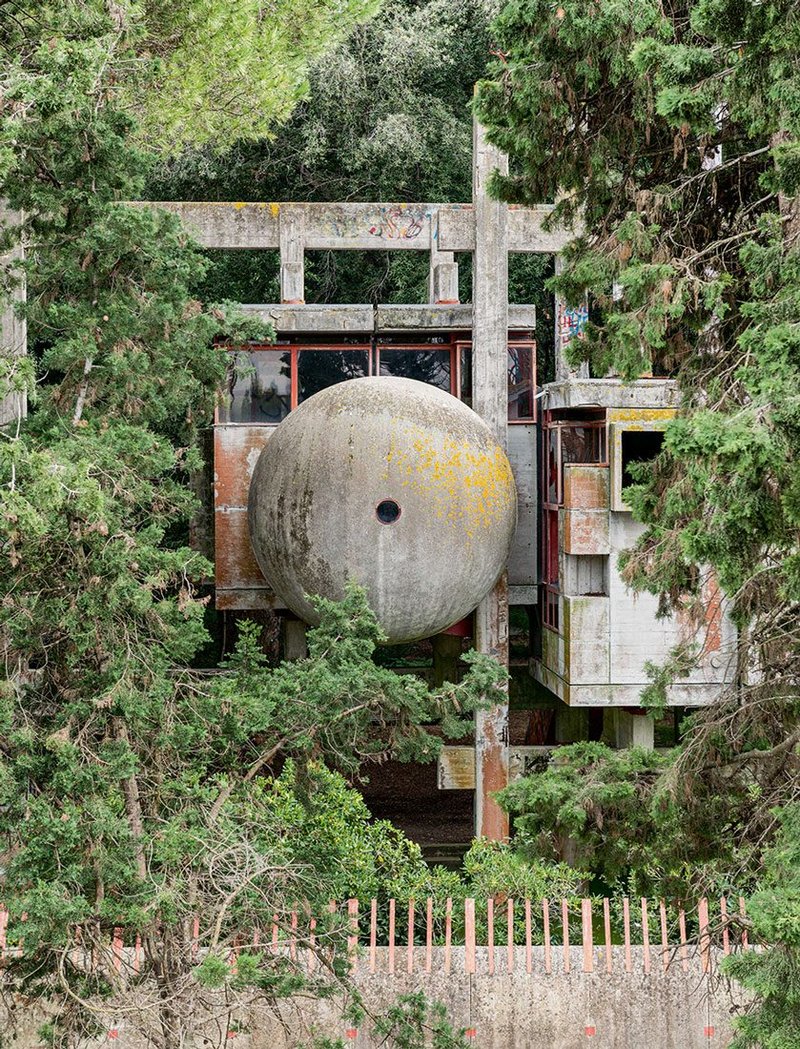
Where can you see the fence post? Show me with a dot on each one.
(352, 937)
(469, 935)
(588, 939)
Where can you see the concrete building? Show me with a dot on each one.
(582, 661)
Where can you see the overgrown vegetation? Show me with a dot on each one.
(671, 131)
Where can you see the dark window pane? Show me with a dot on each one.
(466, 375)
(552, 465)
(430, 366)
(259, 388)
(520, 382)
(318, 369)
(583, 444)
(638, 446)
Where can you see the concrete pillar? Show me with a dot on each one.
(633, 730)
(446, 654)
(292, 244)
(294, 639)
(572, 724)
(13, 330)
(443, 279)
(570, 323)
(490, 401)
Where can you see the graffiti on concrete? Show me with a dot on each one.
(398, 223)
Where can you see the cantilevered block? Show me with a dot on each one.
(585, 487)
(584, 531)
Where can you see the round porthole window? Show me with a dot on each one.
(387, 511)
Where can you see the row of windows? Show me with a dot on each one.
(266, 382)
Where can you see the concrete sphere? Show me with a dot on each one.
(394, 484)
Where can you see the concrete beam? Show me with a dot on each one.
(13, 329)
(611, 393)
(315, 318)
(390, 317)
(360, 226)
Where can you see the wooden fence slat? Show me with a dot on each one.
(137, 954)
(726, 938)
(705, 934)
(490, 933)
(274, 933)
(548, 959)
(116, 949)
(684, 948)
(662, 908)
(469, 935)
(448, 932)
(510, 934)
(373, 935)
(587, 935)
(528, 938)
(312, 943)
(391, 935)
(607, 934)
(352, 935)
(429, 935)
(293, 938)
(410, 947)
(645, 936)
(743, 915)
(565, 927)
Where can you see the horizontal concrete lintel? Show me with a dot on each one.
(392, 317)
(358, 226)
(245, 600)
(523, 595)
(611, 393)
(686, 694)
(316, 318)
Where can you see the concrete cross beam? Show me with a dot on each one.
(438, 228)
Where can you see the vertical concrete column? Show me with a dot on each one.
(572, 724)
(570, 323)
(446, 654)
(633, 730)
(294, 639)
(13, 330)
(490, 401)
(292, 243)
(443, 279)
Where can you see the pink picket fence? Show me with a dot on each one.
(589, 935)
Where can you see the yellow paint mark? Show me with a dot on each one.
(275, 209)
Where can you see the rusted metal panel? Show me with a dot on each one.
(456, 768)
(236, 452)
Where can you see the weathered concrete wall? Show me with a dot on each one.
(674, 1009)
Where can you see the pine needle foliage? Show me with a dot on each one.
(671, 132)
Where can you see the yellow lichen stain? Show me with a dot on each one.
(640, 415)
(275, 209)
(468, 488)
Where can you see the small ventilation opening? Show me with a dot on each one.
(387, 511)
